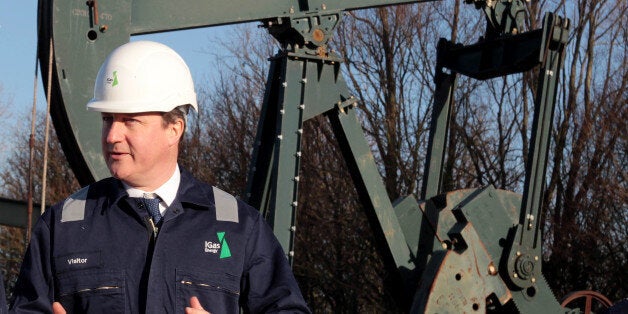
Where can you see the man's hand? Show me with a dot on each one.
(194, 308)
(57, 308)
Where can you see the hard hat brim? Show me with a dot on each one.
(132, 106)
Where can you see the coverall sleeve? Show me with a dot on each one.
(34, 290)
(268, 284)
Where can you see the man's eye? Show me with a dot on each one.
(107, 119)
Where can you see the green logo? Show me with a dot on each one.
(115, 78)
(224, 247)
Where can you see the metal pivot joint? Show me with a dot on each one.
(502, 16)
(312, 31)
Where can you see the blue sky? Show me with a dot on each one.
(17, 67)
(17, 52)
(18, 42)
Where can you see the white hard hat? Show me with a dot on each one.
(143, 76)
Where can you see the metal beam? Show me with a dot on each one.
(149, 16)
(14, 213)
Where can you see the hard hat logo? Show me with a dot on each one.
(113, 81)
(115, 78)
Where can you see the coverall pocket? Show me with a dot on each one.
(92, 291)
(217, 292)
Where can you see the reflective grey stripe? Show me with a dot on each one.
(74, 206)
(226, 206)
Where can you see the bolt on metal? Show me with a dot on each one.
(492, 270)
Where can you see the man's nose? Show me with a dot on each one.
(113, 133)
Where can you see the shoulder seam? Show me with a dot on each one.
(74, 206)
(226, 206)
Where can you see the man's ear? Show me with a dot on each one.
(175, 131)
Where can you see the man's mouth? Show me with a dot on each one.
(116, 154)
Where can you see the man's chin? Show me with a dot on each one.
(119, 174)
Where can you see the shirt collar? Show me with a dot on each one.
(167, 192)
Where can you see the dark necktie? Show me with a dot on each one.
(151, 201)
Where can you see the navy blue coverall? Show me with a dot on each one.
(97, 252)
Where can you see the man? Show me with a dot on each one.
(151, 239)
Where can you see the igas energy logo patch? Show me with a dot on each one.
(221, 245)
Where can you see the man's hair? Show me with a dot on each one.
(180, 112)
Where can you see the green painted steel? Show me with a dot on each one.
(287, 154)
(441, 115)
(15, 213)
(408, 212)
(260, 173)
(370, 186)
(163, 15)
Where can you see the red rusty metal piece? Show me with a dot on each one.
(589, 297)
(93, 4)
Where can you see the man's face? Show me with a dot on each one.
(138, 148)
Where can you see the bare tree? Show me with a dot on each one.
(337, 257)
(6, 101)
(60, 183)
(587, 193)
(388, 68)
(11, 252)
(61, 180)
(11, 238)
(218, 144)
